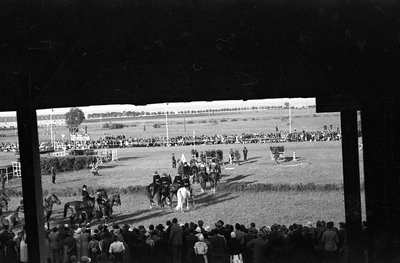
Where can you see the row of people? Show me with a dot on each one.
(186, 242)
(122, 141)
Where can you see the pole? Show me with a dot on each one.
(166, 124)
(51, 128)
(184, 124)
(194, 141)
(290, 118)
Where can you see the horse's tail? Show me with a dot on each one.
(180, 199)
(66, 206)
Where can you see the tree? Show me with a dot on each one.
(286, 105)
(74, 118)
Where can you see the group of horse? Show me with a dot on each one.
(210, 172)
(14, 218)
(165, 193)
(83, 212)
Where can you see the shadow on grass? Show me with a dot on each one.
(289, 159)
(236, 178)
(108, 167)
(130, 158)
(202, 200)
(247, 162)
(253, 158)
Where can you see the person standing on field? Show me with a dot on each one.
(53, 174)
(173, 161)
(245, 153)
(3, 178)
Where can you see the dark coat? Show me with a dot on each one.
(219, 247)
(176, 235)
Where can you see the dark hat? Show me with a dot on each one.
(218, 224)
(125, 226)
(155, 173)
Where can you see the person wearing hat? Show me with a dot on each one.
(85, 193)
(176, 241)
(190, 240)
(219, 252)
(164, 180)
(178, 181)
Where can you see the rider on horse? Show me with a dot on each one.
(164, 180)
(178, 181)
(186, 169)
(85, 193)
(156, 182)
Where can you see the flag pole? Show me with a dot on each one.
(290, 118)
(194, 141)
(166, 124)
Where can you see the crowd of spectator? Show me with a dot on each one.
(121, 141)
(188, 242)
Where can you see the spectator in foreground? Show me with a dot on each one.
(330, 240)
(176, 242)
(200, 249)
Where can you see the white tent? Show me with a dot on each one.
(183, 159)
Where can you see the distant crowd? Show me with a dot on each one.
(121, 141)
(185, 242)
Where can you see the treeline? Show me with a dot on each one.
(125, 114)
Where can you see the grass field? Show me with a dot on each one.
(264, 208)
(319, 163)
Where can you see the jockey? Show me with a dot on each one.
(202, 168)
(186, 182)
(156, 180)
(186, 169)
(85, 193)
(164, 180)
(178, 180)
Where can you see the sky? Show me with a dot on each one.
(197, 105)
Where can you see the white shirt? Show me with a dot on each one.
(117, 247)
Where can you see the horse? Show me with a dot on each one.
(48, 206)
(75, 206)
(203, 179)
(4, 200)
(11, 218)
(163, 192)
(183, 195)
(108, 205)
(213, 179)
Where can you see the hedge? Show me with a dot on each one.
(66, 163)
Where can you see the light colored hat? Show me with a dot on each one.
(207, 229)
(201, 237)
(78, 231)
(233, 235)
(198, 229)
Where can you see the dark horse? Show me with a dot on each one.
(85, 211)
(76, 206)
(48, 206)
(164, 192)
(212, 178)
(88, 213)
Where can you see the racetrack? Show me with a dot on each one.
(318, 163)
